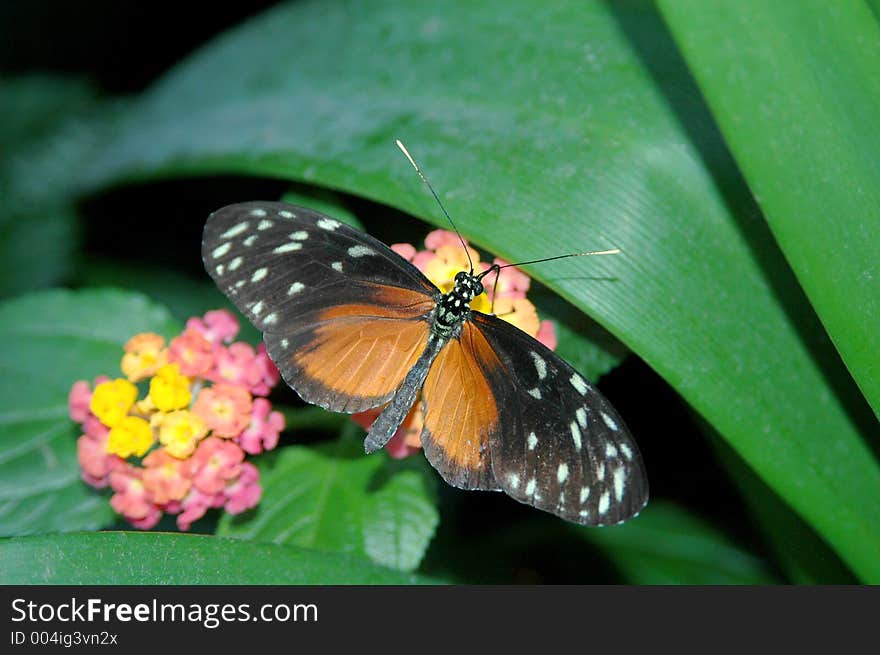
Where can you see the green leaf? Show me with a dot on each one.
(137, 558)
(801, 553)
(183, 296)
(795, 88)
(586, 131)
(335, 498)
(38, 227)
(668, 545)
(50, 340)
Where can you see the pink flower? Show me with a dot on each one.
(512, 282)
(192, 352)
(269, 374)
(165, 476)
(194, 506)
(438, 238)
(95, 462)
(236, 364)
(215, 463)
(80, 397)
(405, 250)
(131, 499)
(262, 433)
(217, 326)
(244, 493)
(225, 408)
(547, 334)
(150, 520)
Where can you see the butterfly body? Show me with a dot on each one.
(352, 326)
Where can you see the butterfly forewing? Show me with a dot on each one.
(343, 315)
(560, 446)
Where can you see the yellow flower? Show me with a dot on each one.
(180, 432)
(131, 436)
(449, 259)
(519, 312)
(112, 400)
(144, 354)
(169, 390)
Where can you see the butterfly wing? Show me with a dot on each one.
(344, 317)
(461, 413)
(559, 445)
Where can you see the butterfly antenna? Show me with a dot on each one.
(434, 193)
(612, 251)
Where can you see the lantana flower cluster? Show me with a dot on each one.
(180, 449)
(505, 297)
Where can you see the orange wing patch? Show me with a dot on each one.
(460, 412)
(357, 354)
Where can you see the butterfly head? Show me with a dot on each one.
(467, 286)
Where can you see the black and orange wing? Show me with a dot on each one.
(557, 444)
(462, 415)
(344, 317)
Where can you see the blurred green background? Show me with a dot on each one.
(729, 148)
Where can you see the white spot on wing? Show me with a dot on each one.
(271, 319)
(533, 440)
(580, 384)
(585, 493)
(530, 487)
(540, 365)
(562, 472)
(600, 472)
(360, 251)
(584, 513)
(296, 287)
(619, 477)
(221, 250)
(609, 421)
(239, 284)
(604, 502)
(627, 451)
(535, 393)
(219, 269)
(336, 266)
(327, 224)
(300, 235)
(264, 225)
(250, 240)
(259, 213)
(259, 274)
(235, 230)
(287, 247)
(284, 343)
(513, 479)
(256, 309)
(286, 214)
(581, 415)
(576, 435)
(610, 450)
(235, 263)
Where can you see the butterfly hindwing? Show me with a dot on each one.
(461, 414)
(560, 445)
(343, 315)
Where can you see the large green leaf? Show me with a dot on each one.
(795, 88)
(666, 545)
(546, 127)
(39, 141)
(50, 340)
(335, 498)
(136, 558)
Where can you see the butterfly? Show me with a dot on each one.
(352, 325)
